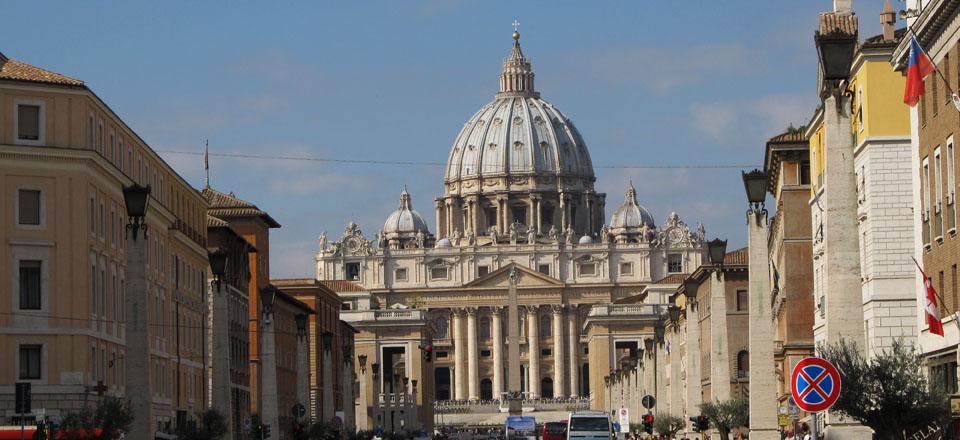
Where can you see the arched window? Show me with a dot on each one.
(486, 389)
(441, 324)
(484, 328)
(743, 363)
(546, 388)
(545, 326)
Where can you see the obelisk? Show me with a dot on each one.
(513, 353)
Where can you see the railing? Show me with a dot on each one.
(482, 406)
(624, 310)
(383, 315)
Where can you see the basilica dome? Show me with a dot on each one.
(519, 134)
(405, 220)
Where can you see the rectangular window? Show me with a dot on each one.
(743, 300)
(954, 295)
(28, 122)
(30, 284)
(113, 145)
(938, 190)
(951, 187)
(485, 353)
(30, 358)
(626, 268)
(101, 220)
(93, 288)
(483, 270)
(546, 352)
(353, 271)
(93, 363)
(100, 138)
(90, 131)
(544, 269)
(804, 177)
(439, 273)
(674, 263)
(588, 269)
(925, 183)
(28, 207)
(519, 214)
(441, 354)
(400, 274)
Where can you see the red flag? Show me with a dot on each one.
(933, 315)
(918, 67)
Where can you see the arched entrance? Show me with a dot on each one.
(546, 388)
(486, 389)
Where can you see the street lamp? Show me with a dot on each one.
(301, 319)
(136, 198)
(755, 183)
(374, 368)
(327, 338)
(835, 50)
(218, 264)
(648, 344)
(267, 296)
(690, 286)
(716, 250)
(658, 332)
(674, 313)
(362, 359)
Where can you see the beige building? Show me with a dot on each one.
(518, 192)
(66, 157)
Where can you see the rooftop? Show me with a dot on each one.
(228, 205)
(19, 71)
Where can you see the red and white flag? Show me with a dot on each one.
(933, 314)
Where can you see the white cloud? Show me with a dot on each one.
(747, 122)
(316, 183)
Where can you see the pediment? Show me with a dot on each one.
(528, 278)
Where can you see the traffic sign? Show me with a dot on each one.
(624, 419)
(783, 420)
(648, 401)
(815, 384)
(298, 410)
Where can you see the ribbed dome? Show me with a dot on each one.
(518, 133)
(630, 214)
(404, 220)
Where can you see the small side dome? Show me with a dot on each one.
(630, 215)
(405, 220)
(443, 243)
(586, 239)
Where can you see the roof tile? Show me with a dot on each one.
(342, 286)
(20, 71)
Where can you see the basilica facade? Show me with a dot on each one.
(518, 192)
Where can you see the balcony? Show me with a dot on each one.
(390, 316)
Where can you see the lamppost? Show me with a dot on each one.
(692, 324)
(763, 387)
(136, 198)
(221, 337)
(303, 363)
(606, 382)
(375, 372)
(326, 338)
(269, 413)
(363, 423)
(836, 41)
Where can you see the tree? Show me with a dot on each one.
(668, 424)
(110, 416)
(887, 393)
(212, 426)
(727, 415)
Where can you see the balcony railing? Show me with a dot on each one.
(624, 310)
(384, 315)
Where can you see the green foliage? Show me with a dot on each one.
(111, 416)
(796, 130)
(727, 415)
(212, 426)
(887, 393)
(668, 424)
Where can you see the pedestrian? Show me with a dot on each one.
(805, 431)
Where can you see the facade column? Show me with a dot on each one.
(448, 217)
(844, 300)
(588, 198)
(137, 357)
(475, 212)
(460, 356)
(693, 382)
(559, 361)
(441, 228)
(220, 362)
(497, 333)
(719, 353)
(378, 421)
(533, 350)
(661, 393)
(573, 342)
(473, 355)
(564, 218)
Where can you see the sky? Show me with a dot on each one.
(672, 83)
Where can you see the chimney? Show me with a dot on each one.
(843, 6)
(888, 19)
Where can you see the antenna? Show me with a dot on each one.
(206, 162)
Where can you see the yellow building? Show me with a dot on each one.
(880, 128)
(65, 158)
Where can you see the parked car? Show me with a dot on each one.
(589, 425)
(554, 431)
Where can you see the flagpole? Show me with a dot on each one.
(946, 82)
(956, 319)
(206, 162)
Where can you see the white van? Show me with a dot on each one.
(589, 425)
